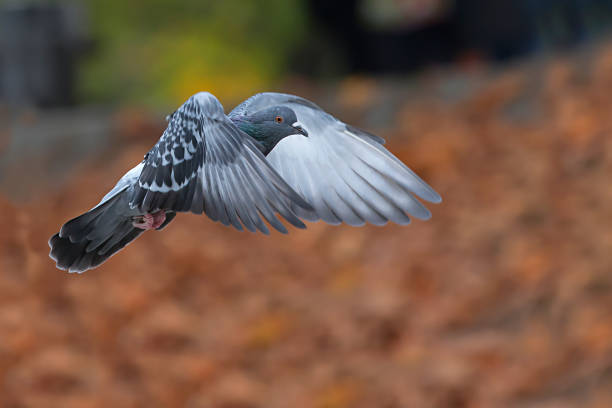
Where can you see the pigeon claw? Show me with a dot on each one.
(149, 221)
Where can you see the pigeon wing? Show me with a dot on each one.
(344, 173)
(169, 176)
(204, 163)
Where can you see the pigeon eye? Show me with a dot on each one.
(278, 119)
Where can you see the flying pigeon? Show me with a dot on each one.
(273, 154)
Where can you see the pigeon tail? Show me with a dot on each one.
(91, 238)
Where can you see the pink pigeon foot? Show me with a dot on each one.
(150, 221)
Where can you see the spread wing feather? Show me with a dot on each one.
(344, 173)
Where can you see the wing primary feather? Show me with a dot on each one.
(265, 172)
(365, 135)
(283, 209)
(234, 206)
(197, 205)
(291, 165)
(401, 197)
(360, 190)
(383, 206)
(171, 198)
(217, 198)
(210, 201)
(232, 202)
(356, 219)
(242, 209)
(389, 189)
(380, 158)
(114, 240)
(357, 210)
(226, 200)
(190, 193)
(262, 203)
(243, 183)
(280, 207)
(259, 162)
(214, 186)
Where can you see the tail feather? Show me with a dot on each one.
(91, 238)
(78, 228)
(73, 257)
(103, 243)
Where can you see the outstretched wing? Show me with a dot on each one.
(203, 162)
(346, 174)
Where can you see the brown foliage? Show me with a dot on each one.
(504, 298)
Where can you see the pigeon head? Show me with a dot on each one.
(270, 126)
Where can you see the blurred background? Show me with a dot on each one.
(502, 299)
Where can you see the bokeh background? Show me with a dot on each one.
(502, 299)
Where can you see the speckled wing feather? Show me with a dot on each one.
(344, 173)
(169, 177)
(203, 162)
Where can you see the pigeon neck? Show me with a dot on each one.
(256, 132)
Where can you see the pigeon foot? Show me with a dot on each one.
(149, 221)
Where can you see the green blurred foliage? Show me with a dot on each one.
(159, 52)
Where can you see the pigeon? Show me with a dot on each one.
(275, 155)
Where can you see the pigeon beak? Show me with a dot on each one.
(300, 129)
